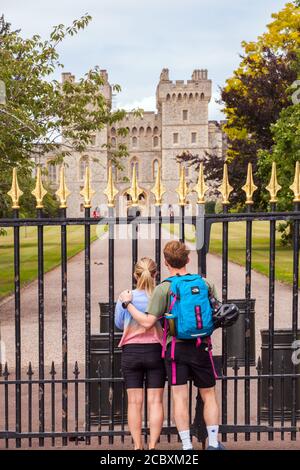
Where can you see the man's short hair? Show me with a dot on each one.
(176, 254)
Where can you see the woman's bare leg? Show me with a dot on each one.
(135, 402)
(156, 414)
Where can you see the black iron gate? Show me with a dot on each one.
(60, 396)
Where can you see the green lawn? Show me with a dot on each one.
(260, 250)
(28, 252)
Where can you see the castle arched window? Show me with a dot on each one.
(83, 163)
(134, 141)
(190, 96)
(185, 115)
(155, 130)
(52, 173)
(148, 130)
(197, 96)
(113, 141)
(155, 167)
(134, 162)
(134, 131)
(202, 96)
(141, 131)
(168, 97)
(113, 131)
(185, 96)
(179, 97)
(155, 141)
(174, 96)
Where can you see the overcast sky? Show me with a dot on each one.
(135, 39)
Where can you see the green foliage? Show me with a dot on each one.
(40, 112)
(256, 94)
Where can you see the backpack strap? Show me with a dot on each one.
(164, 341)
(211, 356)
(173, 344)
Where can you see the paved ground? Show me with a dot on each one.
(99, 274)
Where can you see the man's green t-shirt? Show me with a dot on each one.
(159, 302)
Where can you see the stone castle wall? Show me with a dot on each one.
(181, 123)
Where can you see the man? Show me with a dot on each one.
(191, 358)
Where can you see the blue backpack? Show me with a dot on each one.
(190, 307)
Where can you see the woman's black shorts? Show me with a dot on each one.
(143, 362)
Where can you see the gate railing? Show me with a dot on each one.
(59, 396)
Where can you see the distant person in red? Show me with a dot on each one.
(96, 213)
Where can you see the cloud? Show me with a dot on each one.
(135, 39)
(147, 103)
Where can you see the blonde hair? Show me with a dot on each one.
(144, 272)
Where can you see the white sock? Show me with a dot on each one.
(213, 435)
(186, 440)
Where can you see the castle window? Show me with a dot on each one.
(155, 167)
(141, 131)
(168, 97)
(134, 162)
(185, 96)
(155, 141)
(194, 137)
(93, 140)
(185, 115)
(113, 141)
(190, 96)
(149, 130)
(175, 138)
(197, 96)
(52, 173)
(82, 166)
(202, 96)
(134, 141)
(113, 131)
(155, 130)
(174, 96)
(179, 97)
(134, 131)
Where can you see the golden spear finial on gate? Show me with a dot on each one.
(182, 189)
(249, 188)
(15, 192)
(62, 193)
(87, 192)
(295, 187)
(134, 191)
(158, 190)
(39, 191)
(225, 188)
(110, 190)
(273, 186)
(201, 187)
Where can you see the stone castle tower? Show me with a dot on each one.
(180, 123)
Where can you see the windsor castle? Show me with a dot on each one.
(179, 124)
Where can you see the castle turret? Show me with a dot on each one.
(184, 110)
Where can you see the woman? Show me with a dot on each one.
(141, 358)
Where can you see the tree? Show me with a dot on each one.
(40, 112)
(285, 152)
(257, 92)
